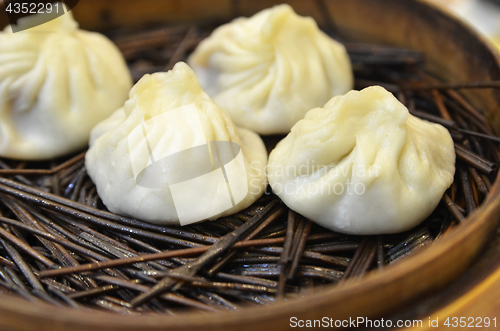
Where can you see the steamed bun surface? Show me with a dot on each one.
(56, 83)
(169, 113)
(267, 71)
(363, 165)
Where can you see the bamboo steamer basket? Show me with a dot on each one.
(453, 52)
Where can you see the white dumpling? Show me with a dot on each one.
(363, 165)
(172, 156)
(56, 83)
(267, 71)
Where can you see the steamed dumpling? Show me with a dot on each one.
(172, 156)
(267, 71)
(56, 83)
(363, 165)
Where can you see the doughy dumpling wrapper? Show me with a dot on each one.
(172, 156)
(56, 83)
(363, 165)
(267, 71)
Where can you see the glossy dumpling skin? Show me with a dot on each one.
(150, 159)
(268, 70)
(363, 165)
(56, 83)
